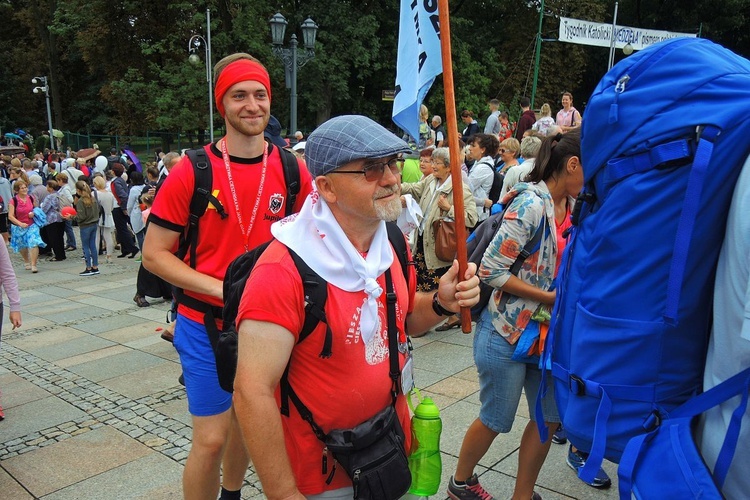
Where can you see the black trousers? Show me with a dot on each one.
(55, 235)
(124, 234)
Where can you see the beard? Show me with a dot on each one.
(391, 209)
(245, 128)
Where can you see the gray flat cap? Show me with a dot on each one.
(347, 138)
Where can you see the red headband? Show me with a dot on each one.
(240, 71)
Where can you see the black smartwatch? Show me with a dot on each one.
(439, 309)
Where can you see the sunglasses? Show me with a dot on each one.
(374, 171)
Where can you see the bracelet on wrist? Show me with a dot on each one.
(438, 308)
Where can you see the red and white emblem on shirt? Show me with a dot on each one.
(276, 202)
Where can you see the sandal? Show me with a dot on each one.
(448, 326)
(34, 269)
(141, 301)
(27, 266)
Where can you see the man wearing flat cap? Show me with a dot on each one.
(248, 193)
(341, 234)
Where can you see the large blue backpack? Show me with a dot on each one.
(663, 140)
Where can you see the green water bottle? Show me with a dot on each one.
(425, 463)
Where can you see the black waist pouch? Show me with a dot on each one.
(374, 457)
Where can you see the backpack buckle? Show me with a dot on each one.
(577, 385)
(652, 422)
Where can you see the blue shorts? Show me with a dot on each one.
(205, 396)
(501, 380)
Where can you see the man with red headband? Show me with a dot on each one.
(250, 193)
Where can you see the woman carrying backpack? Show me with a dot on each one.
(24, 234)
(544, 203)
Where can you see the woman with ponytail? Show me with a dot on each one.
(88, 222)
(543, 203)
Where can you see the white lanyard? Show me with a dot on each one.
(225, 157)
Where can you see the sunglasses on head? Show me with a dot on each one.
(374, 170)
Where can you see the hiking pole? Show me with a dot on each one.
(456, 178)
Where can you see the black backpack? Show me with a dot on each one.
(199, 202)
(497, 181)
(316, 294)
(202, 195)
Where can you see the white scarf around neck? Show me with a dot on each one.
(315, 235)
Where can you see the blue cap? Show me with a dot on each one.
(273, 132)
(347, 138)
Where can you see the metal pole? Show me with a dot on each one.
(208, 76)
(49, 115)
(612, 42)
(293, 111)
(538, 54)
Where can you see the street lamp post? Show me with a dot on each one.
(194, 44)
(45, 88)
(537, 54)
(291, 58)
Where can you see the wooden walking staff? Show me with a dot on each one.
(456, 178)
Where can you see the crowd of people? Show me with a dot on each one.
(356, 261)
(117, 204)
(349, 187)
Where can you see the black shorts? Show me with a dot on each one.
(4, 223)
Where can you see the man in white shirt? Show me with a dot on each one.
(729, 347)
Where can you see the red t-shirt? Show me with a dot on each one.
(220, 240)
(561, 241)
(343, 390)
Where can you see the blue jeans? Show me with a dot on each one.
(89, 244)
(70, 236)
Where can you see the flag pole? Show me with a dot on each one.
(456, 178)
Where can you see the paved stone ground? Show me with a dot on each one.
(94, 410)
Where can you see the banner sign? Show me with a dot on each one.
(418, 62)
(600, 34)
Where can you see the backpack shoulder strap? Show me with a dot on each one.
(315, 290)
(529, 248)
(290, 165)
(316, 293)
(199, 202)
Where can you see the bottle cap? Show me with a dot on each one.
(427, 409)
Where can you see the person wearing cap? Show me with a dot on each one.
(114, 158)
(250, 190)
(299, 149)
(340, 233)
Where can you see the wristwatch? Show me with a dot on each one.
(439, 309)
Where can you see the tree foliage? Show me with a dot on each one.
(121, 66)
